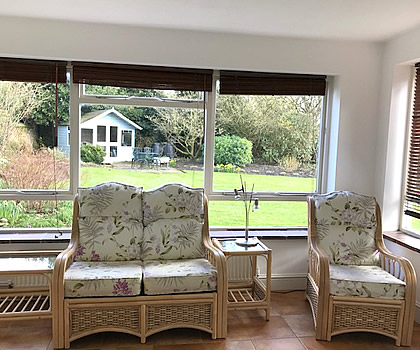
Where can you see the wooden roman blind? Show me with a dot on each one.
(33, 71)
(412, 192)
(255, 83)
(142, 77)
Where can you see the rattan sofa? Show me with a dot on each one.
(354, 283)
(138, 262)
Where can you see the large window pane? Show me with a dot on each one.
(35, 214)
(271, 214)
(273, 139)
(29, 156)
(157, 146)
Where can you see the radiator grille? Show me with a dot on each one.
(239, 268)
(24, 281)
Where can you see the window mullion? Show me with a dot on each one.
(75, 111)
(210, 119)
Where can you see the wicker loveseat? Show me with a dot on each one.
(354, 283)
(138, 262)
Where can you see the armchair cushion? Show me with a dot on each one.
(100, 279)
(365, 281)
(179, 276)
(173, 239)
(110, 222)
(346, 224)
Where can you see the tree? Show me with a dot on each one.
(182, 128)
(17, 102)
(279, 127)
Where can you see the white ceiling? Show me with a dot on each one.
(370, 20)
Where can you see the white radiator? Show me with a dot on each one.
(239, 268)
(21, 281)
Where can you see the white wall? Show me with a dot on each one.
(399, 56)
(397, 73)
(356, 65)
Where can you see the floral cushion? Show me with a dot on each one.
(110, 222)
(111, 199)
(92, 279)
(365, 281)
(173, 201)
(346, 225)
(173, 239)
(179, 276)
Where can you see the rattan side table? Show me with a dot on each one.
(27, 302)
(253, 293)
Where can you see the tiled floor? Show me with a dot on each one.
(290, 328)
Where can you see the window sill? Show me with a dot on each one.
(260, 233)
(36, 237)
(404, 240)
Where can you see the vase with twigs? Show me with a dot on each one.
(250, 203)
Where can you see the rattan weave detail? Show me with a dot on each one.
(313, 296)
(82, 320)
(259, 292)
(368, 317)
(192, 314)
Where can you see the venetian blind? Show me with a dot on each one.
(255, 83)
(32, 71)
(142, 77)
(412, 192)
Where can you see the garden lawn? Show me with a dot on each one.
(221, 213)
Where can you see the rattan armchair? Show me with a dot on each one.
(354, 283)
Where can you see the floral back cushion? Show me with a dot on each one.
(169, 239)
(173, 220)
(173, 201)
(346, 224)
(110, 222)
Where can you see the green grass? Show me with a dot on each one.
(221, 213)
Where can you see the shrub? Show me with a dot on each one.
(231, 149)
(10, 213)
(92, 154)
(228, 168)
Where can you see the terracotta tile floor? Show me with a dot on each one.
(290, 328)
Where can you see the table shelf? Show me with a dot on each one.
(252, 294)
(31, 301)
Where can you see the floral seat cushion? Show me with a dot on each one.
(100, 279)
(365, 281)
(179, 276)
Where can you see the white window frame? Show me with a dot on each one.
(404, 217)
(79, 98)
(262, 195)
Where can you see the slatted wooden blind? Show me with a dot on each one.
(256, 83)
(32, 71)
(142, 77)
(412, 193)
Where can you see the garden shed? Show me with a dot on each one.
(109, 129)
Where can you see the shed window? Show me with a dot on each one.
(126, 137)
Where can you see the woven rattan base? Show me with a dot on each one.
(140, 316)
(382, 318)
(312, 295)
